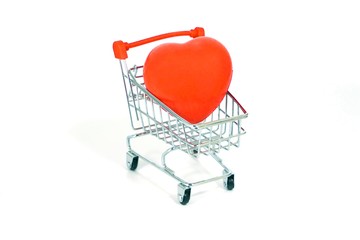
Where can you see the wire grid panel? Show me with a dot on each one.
(220, 130)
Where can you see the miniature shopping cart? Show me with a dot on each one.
(149, 116)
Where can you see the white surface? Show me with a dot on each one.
(64, 122)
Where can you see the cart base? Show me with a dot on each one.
(184, 186)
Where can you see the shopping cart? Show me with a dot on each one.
(149, 116)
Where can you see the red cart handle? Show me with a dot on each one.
(120, 48)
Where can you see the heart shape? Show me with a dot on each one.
(190, 78)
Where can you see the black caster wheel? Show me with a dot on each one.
(229, 182)
(131, 161)
(184, 193)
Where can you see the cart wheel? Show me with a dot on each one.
(229, 182)
(132, 161)
(184, 193)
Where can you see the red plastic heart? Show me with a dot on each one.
(190, 78)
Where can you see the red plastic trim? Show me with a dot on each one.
(120, 48)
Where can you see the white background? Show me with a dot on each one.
(64, 122)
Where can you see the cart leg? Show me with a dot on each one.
(229, 177)
(132, 159)
(163, 160)
(128, 139)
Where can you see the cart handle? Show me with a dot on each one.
(120, 48)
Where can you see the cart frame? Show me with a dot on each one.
(149, 116)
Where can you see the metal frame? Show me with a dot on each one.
(148, 115)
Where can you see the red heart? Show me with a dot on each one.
(190, 78)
